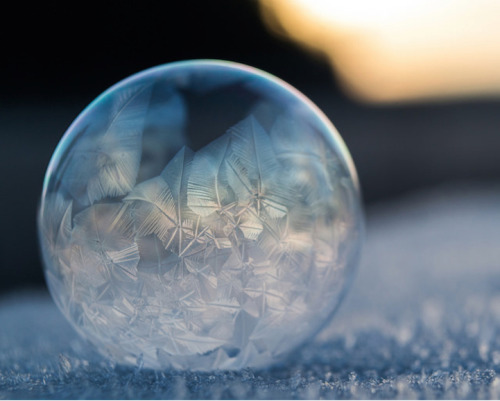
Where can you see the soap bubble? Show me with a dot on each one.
(200, 215)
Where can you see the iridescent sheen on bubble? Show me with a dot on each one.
(200, 215)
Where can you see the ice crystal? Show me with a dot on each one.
(208, 255)
(111, 167)
(215, 261)
(420, 322)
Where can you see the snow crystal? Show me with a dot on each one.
(231, 257)
(421, 321)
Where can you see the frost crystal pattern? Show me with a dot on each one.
(230, 256)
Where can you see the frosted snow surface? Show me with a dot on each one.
(215, 260)
(422, 320)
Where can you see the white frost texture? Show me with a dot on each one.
(230, 257)
(422, 321)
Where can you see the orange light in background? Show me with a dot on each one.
(399, 50)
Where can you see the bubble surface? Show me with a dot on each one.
(200, 215)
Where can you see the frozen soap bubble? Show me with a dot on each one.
(200, 215)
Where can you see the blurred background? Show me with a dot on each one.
(413, 87)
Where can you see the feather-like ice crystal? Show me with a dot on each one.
(233, 253)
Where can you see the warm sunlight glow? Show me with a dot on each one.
(393, 50)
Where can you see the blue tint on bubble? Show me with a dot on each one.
(200, 215)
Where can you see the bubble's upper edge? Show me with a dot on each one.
(344, 152)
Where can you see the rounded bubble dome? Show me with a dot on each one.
(200, 215)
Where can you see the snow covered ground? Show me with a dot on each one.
(422, 320)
